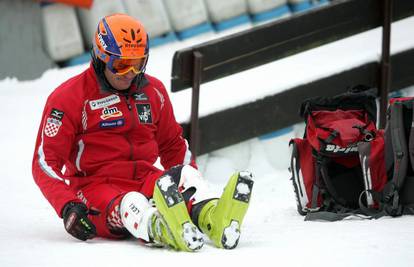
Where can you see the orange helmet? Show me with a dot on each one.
(121, 42)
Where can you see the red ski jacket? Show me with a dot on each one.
(89, 136)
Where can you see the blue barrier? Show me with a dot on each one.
(82, 59)
(320, 2)
(163, 39)
(196, 30)
(298, 7)
(276, 133)
(229, 23)
(271, 14)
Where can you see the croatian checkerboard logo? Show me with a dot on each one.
(52, 127)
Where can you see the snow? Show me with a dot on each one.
(273, 233)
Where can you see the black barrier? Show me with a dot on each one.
(278, 111)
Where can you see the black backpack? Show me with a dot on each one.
(397, 198)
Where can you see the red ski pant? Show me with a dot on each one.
(105, 194)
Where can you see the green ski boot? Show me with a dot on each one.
(175, 228)
(221, 219)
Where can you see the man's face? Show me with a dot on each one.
(120, 82)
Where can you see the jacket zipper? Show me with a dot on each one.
(127, 136)
(128, 104)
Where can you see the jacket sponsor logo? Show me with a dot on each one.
(338, 149)
(140, 96)
(57, 114)
(112, 124)
(104, 102)
(144, 113)
(110, 112)
(52, 127)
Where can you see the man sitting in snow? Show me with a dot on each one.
(100, 135)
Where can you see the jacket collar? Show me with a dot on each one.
(135, 87)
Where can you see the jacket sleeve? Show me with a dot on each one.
(173, 148)
(53, 145)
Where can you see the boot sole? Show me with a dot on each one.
(237, 210)
(170, 204)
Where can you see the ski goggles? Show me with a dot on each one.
(122, 66)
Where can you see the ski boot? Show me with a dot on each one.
(221, 219)
(173, 226)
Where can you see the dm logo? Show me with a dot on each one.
(110, 112)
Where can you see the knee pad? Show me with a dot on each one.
(136, 213)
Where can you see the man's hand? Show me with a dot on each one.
(76, 222)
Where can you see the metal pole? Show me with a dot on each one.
(384, 86)
(195, 99)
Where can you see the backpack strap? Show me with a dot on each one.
(407, 192)
(411, 139)
(334, 212)
(323, 170)
(390, 195)
(316, 188)
(370, 211)
(333, 204)
(333, 216)
(399, 144)
(364, 150)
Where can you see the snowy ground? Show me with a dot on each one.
(273, 233)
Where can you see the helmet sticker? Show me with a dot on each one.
(109, 40)
(101, 40)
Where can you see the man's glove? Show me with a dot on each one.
(76, 222)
